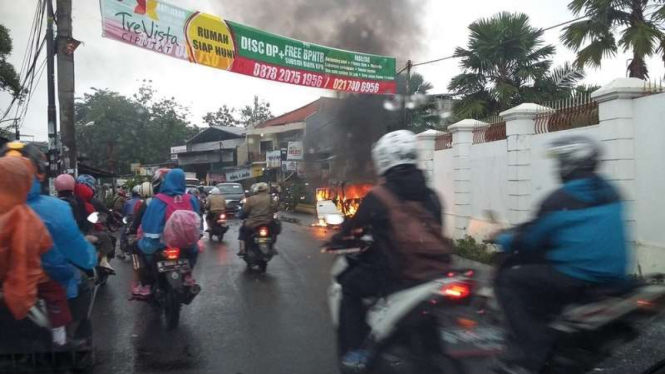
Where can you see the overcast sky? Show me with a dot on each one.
(104, 63)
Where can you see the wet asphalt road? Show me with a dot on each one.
(240, 323)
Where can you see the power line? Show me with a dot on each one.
(510, 40)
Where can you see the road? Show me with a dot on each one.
(244, 323)
(240, 323)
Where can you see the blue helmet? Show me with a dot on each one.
(88, 180)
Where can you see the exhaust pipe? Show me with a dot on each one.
(191, 294)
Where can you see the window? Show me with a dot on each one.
(266, 146)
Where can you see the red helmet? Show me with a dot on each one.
(64, 182)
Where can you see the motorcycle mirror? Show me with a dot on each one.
(93, 217)
(125, 220)
(334, 219)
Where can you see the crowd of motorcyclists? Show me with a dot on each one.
(576, 241)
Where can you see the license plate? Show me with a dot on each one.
(181, 264)
(479, 341)
(263, 240)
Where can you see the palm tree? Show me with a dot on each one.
(594, 38)
(504, 56)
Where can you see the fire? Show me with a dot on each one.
(347, 198)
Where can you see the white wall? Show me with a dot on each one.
(489, 185)
(544, 178)
(443, 184)
(649, 234)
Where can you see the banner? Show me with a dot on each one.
(274, 159)
(294, 152)
(289, 166)
(238, 175)
(209, 40)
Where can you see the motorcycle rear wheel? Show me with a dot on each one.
(171, 310)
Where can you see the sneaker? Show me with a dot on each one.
(141, 290)
(355, 362)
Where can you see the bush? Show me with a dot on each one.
(470, 249)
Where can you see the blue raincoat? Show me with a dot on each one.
(69, 246)
(154, 218)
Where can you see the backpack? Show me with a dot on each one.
(182, 223)
(421, 251)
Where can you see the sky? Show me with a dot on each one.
(104, 63)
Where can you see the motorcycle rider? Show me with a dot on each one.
(65, 185)
(140, 286)
(128, 208)
(98, 204)
(258, 210)
(215, 205)
(70, 248)
(390, 263)
(576, 242)
(154, 219)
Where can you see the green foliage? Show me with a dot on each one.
(224, 116)
(507, 63)
(9, 79)
(639, 27)
(128, 130)
(425, 116)
(257, 112)
(470, 249)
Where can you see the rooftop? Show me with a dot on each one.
(299, 114)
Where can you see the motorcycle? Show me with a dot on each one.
(168, 271)
(26, 345)
(218, 226)
(405, 325)
(103, 268)
(260, 248)
(589, 331)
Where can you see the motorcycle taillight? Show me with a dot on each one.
(171, 253)
(263, 231)
(456, 291)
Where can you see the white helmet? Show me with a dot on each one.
(136, 190)
(261, 187)
(215, 191)
(146, 190)
(395, 148)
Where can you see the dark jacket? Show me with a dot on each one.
(579, 229)
(407, 183)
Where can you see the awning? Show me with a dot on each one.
(97, 173)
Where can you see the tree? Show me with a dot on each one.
(256, 113)
(9, 79)
(424, 114)
(115, 130)
(594, 38)
(506, 63)
(224, 116)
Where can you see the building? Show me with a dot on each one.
(276, 147)
(210, 153)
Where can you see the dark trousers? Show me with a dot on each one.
(357, 283)
(531, 297)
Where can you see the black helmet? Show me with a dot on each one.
(575, 154)
(29, 151)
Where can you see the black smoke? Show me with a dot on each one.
(385, 27)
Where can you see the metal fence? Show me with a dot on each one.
(444, 141)
(653, 87)
(577, 111)
(494, 131)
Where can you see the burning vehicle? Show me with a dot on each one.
(338, 202)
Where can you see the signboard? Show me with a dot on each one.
(212, 41)
(135, 167)
(178, 149)
(284, 154)
(238, 175)
(294, 151)
(289, 166)
(274, 159)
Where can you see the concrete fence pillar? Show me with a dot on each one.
(617, 134)
(520, 127)
(462, 142)
(426, 143)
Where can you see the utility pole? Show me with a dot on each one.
(50, 78)
(407, 96)
(66, 45)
